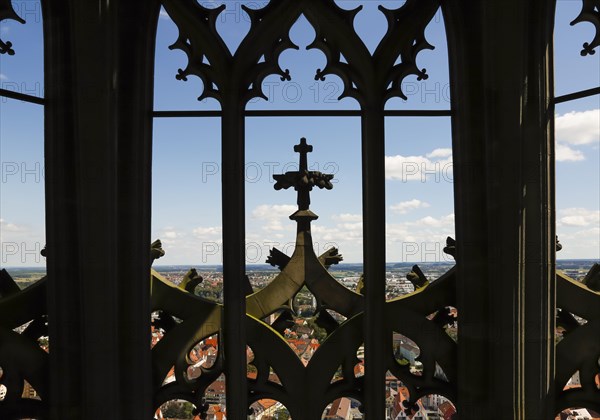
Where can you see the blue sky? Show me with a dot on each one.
(186, 168)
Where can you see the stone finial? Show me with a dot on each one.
(558, 244)
(592, 278)
(303, 180)
(417, 278)
(277, 258)
(450, 247)
(156, 251)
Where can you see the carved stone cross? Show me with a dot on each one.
(303, 180)
(303, 148)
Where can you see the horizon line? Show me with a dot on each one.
(332, 266)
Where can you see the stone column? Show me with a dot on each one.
(501, 75)
(99, 61)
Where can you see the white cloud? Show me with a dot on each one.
(9, 227)
(207, 232)
(578, 217)
(268, 211)
(345, 235)
(436, 165)
(578, 127)
(444, 221)
(347, 230)
(420, 240)
(578, 230)
(347, 217)
(579, 243)
(351, 227)
(405, 206)
(170, 237)
(440, 153)
(21, 245)
(564, 153)
(425, 229)
(3, 76)
(169, 234)
(273, 216)
(201, 245)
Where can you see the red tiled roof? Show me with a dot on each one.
(211, 341)
(267, 403)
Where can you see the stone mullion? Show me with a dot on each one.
(98, 74)
(538, 178)
(463, 32)
(234, 257)
(64, 305)
(499, 60)
(374, 256)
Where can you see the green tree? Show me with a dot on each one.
(282, 414)
(319, 333)
(178, 410)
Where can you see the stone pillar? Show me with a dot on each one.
(99, 61)
(501, 76)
